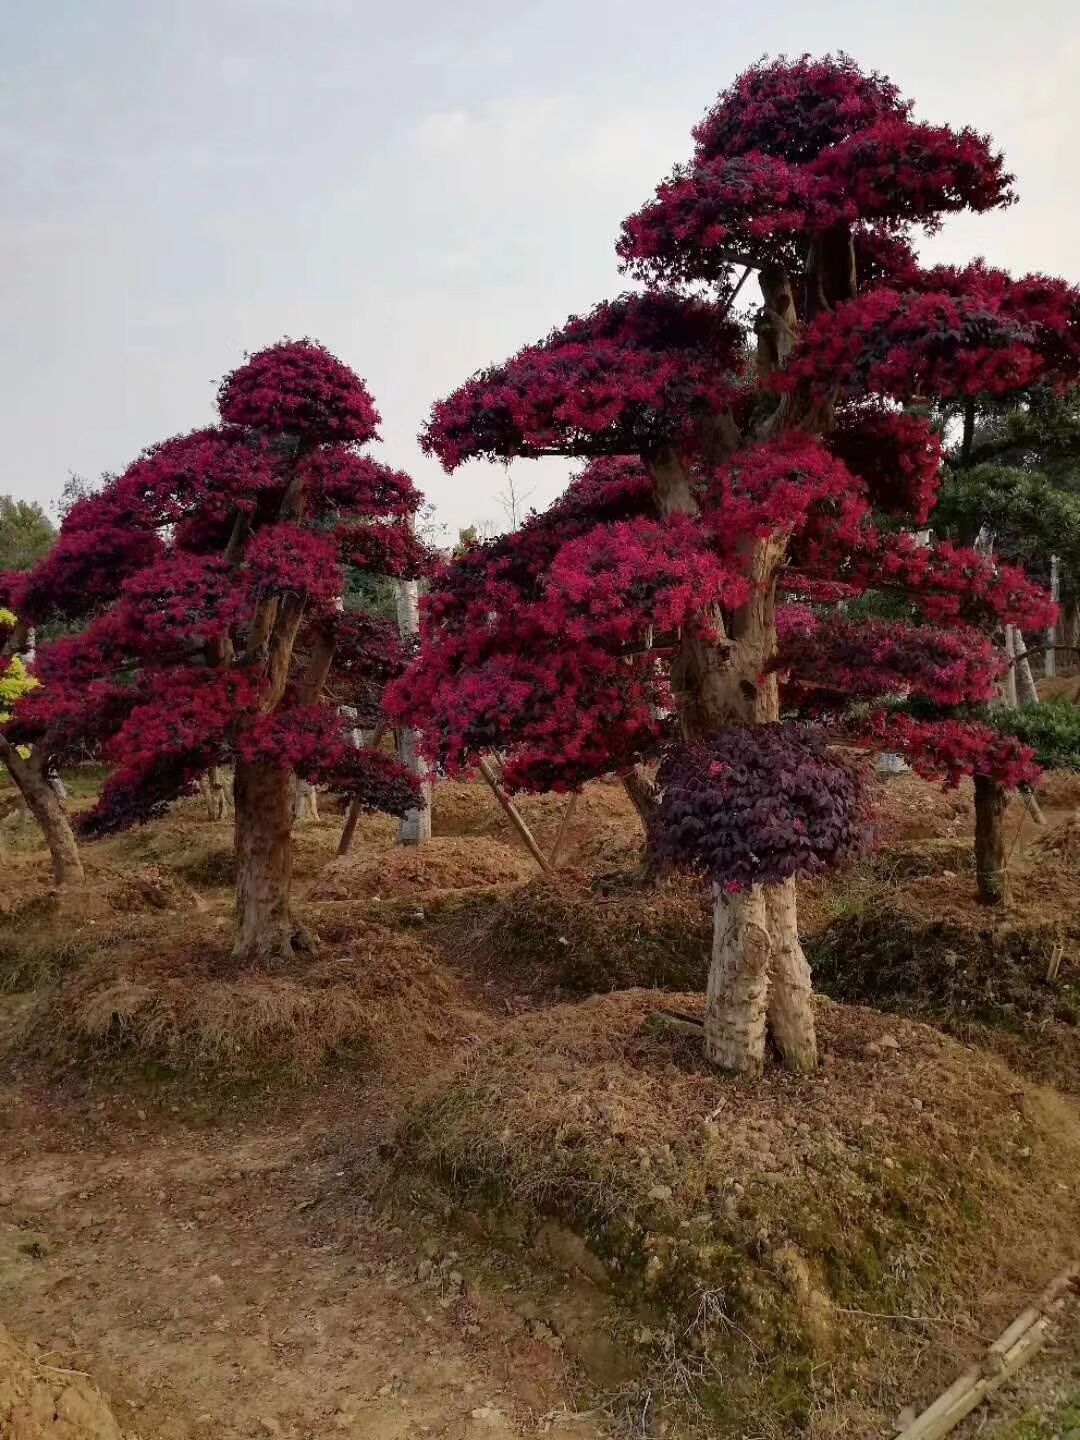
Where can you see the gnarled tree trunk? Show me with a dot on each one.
(266, 932)
(759, 980)
(48, 810)
(990, 876)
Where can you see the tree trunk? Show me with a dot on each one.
(737, 993)
(791, 1003)
(415, 827)
(48, 810)
(759, 977)
(642, 795)
(990, 876)
(267, 935)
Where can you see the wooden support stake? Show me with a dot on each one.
(568, 815)
(1013, 1347)
(514, 815)
(1056, 956)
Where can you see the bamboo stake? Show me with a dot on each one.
(1013, 1347)
(514, 815)
(568, 815)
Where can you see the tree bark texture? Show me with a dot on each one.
(642, 795)
(48, 810)
(737, 992)
(266, 933)
(990, 875)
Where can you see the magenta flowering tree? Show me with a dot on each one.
(803, 470)
(210, 579)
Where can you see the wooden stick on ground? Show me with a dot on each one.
(1013, 1347)
(568, 815)
(514, 815)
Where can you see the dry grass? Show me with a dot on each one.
(154, 992)
(756, 1229)
(570, 932)
(414, 873)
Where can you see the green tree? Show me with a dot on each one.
(26, 533)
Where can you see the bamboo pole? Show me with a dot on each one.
(1013, 1347)
(514, 815)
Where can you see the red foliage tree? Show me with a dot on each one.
(210, 576)
(796, 479)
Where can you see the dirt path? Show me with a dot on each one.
(228, 1280)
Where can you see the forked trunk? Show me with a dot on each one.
(267, 935)
(47, 808)
(990, 876)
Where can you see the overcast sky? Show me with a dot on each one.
(422, 186)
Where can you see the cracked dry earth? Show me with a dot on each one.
(228, 1277)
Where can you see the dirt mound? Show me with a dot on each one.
(445, 863)
(178, 1001)
(1059, 842)
(928, 949)
(567, 931)
(46, 1402)
(907, 808)
(764, 1237)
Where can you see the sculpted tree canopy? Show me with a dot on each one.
(792, 458)
(209, 577)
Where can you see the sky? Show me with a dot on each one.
(423, 187)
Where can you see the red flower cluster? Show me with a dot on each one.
(908, 346)
(948, 750)
(340, 479)
(384, 548)
(298, 388)
(634, 373)
(897, 456)
(105, 538)
(796, 108)
(603, 584)
(289, 557)
(314, 742)
(829, 662)
(181, 602)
